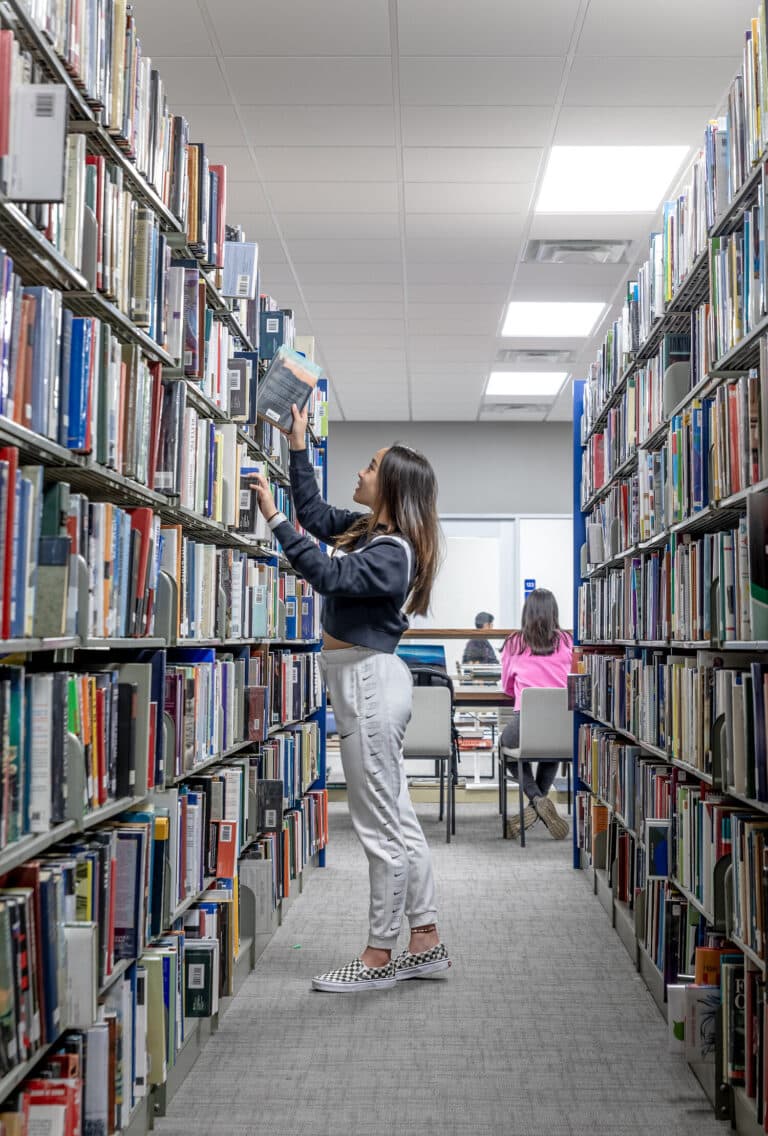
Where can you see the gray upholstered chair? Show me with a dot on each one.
(546, 734)
(430, 736)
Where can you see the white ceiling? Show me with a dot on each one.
(386, 155)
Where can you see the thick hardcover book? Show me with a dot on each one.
(290, 379)
(269, 798)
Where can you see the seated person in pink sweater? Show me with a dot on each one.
(537, 655)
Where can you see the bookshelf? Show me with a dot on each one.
(162, 797)
(670, 479)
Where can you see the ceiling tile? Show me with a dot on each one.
(487, 82)
(339, 226)
(459, 348)
(648, 82)
(461, 249)
(314, 82)
(658, 28)
(334, 273)
(472, 272)
(272, 277)
(244, 197)
(463, 197)
(353, 293)
(270, 251)
(363, 327)
(295, 27)
(476, 125)
(319, 125)
(219, 122)
(631, 126)
(450, 293)
(174, 27)
(327, 163)
(477, 319)
(485, 27)
(333, 197)
(350, 356)
(257, 226)
(470, 164)
(344, 250)
(455, 226)
(192, 82)
(322, 310)
(240, 165)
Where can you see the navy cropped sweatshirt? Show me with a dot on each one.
(364, 588)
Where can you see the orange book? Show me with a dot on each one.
(599, 818)
(226, 848)
(707, 972)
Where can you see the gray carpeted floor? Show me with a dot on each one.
(542, 1027)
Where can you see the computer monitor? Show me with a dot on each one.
(423, 654)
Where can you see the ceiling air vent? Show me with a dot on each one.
(558, 358)
(516, 407)
(576, 252)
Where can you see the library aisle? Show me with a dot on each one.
(528, 1036)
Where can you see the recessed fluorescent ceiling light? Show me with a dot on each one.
(525, 383)
(608, 179)
(551, 319)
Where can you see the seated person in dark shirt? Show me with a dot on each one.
(480, 650)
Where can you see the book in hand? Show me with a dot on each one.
(290, 379)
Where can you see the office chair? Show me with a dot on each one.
(546, 734)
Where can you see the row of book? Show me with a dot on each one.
(50, 536)
(705, 710)
(43, 530)
(75, 741)
(691, 589)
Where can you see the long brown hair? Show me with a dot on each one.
(540, 630)
(408, 496)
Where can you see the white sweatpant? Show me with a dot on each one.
(371, 694)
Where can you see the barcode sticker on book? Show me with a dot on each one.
(188, 358)
(272, 326)
(226, 832)
(270, 818)
(234, 380)
(196, 976)
(273, 415)
(243, 284)
(44, 105)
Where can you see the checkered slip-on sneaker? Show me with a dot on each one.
(530, 816)
(557, 825)
(426, 962)
(356, 976)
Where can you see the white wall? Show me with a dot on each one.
(482, 467)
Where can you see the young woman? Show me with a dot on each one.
(382, 568)
(537, 655)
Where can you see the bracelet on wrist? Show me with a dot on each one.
(275, 514)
